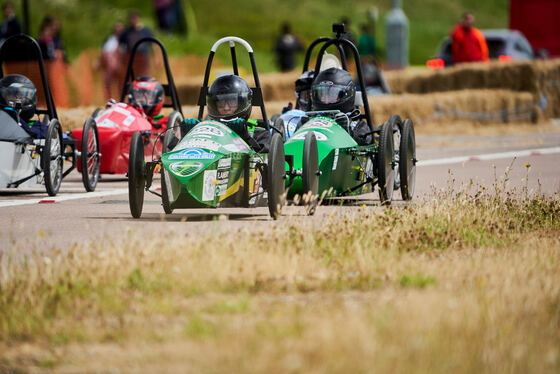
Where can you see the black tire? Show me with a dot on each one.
(167, 139)
(90, 157)
(279, 125)
(385, 168)
(276, 171)
(310, 177)
(165, 192)
(176, 122)
(52, 160)
(136, 175)
(407, 160)
(397, 124)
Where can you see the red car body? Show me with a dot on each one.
(115, 125)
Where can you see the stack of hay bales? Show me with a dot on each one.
(480, 93)
(494, 92)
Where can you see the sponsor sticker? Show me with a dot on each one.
(208, 185)
(192, 154)
(206, 130)
(227, 129)
(224, 163)
(107, 123)
(319, 122)
(185, 168)
(319, 136)
(199, 143)
(335, 161)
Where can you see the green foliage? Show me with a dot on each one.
(86, 23)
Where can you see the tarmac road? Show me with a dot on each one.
(73, 217)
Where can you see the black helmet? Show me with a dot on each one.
(19, 92)
(147, 93)
(229, 97)
(303, 90)
(333, 89)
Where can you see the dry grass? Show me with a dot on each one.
(462, 282)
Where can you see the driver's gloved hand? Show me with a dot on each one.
(239, 126)
(190, 123)
(342, 120)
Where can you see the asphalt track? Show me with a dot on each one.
(32, 219)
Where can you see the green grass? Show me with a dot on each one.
(86, 23)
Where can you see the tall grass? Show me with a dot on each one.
(461, 282)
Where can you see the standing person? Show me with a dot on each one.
(53, 54)
(468, 44)
(10, 25)
(286, 47)
(133, 33)
(46, 39)
(163, 14)
(109, 59)
(366, 42)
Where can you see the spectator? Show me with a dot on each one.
(366, 42)
(59, 48)
(46, 39)
(10, 25)
(109, 59)
(467, 42)
(163, 14)
(52, 50)
(286, 47)
(132, 34)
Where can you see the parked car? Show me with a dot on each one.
(503, 45)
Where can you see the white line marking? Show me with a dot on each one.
(489, 156)
(60, 198)
(440, 161)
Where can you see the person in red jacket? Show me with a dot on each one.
(467, 42)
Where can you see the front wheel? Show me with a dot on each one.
(310, 172)
(136, 175)
(52, 160)
(90, 157)
(385, 170)
(276, 170)
(407, 160)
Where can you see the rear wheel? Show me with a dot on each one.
(176, 123)
(310, 175)
(52, 160)
(407, 160)
(278, 123)
(276, 171)
(385, 170)
(90, 157)
(136, 175)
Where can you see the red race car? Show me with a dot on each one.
(141, 112)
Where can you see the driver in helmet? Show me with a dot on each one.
(303, 90)
(334, 89)
(147, 95)
(229, 101)
(18, 98)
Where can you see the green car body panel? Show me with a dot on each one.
(213, 167)
(343, 164)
